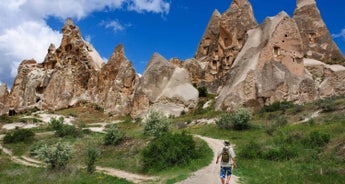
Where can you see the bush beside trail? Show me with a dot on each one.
(156, 124)
(238, 120)
(19, 135)
(62, 130)
(169, 150)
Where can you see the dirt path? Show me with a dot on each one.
(314, 115)
(22, 161)
(135, 178)
(210, 173)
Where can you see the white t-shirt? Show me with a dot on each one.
(232, 155)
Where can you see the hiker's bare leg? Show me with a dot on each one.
(222, 180)
(228, 179)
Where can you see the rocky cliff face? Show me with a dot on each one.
(164, 87)
(3, 97)
(73, 73)
(113, 88)
(317, 41)
(269, 68)
(223, 39)
(243, 63)
(329, 79)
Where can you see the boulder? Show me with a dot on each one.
(269, 68)
(329, 79)
(317, 41)
(164, 87)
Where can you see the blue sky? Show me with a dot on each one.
(172, 28)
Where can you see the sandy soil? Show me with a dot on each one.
(135, 178)
(210, 173)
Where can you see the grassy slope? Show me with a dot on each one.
(14, 173)
(311, 165)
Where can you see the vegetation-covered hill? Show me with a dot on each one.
(283, 143)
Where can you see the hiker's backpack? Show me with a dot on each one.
(225, 155)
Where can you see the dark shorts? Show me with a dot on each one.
(225, 171)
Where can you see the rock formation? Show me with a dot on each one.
(164, 87)
(28, 87)
(243, 63)
(317, 41)
(3, 97)
(329, 79)
(113, 88)
(223, 39)
(74, 73)
(269, 68)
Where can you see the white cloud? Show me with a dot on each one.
(156, 6)
(28, 40)
(341, 34)
(24, 33)
(115, 25)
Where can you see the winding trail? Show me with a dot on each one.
(135, 178)
(210, 173)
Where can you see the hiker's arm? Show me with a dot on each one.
(234, 163)
(217, 159)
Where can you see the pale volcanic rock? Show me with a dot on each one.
(3, 97)
(317, 41)
(28, 87)
(164, 87)
(210, 36)
(328, 78)
(113, 88)
(269, 68)
(74, 73)
(223, 39)
(195, 69)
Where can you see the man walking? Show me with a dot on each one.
(228, 162)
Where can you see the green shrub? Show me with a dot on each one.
(156, 124)
(68, 130)
(237, 121)
(297, 109)
(6, 119)
(270, 129)
(57, 155)
(241, 119)
(280, 121)
(252, 150)
(316, 139)
(280, 153)
(92, 155)
(169, 150)
(327, 104)
(311, 122)
(224, 121)
(277, 106)
(56, 124)
(62, 130)
(19, 135)
(113, 136)
(34, 149)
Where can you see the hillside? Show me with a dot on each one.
(279, 145)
